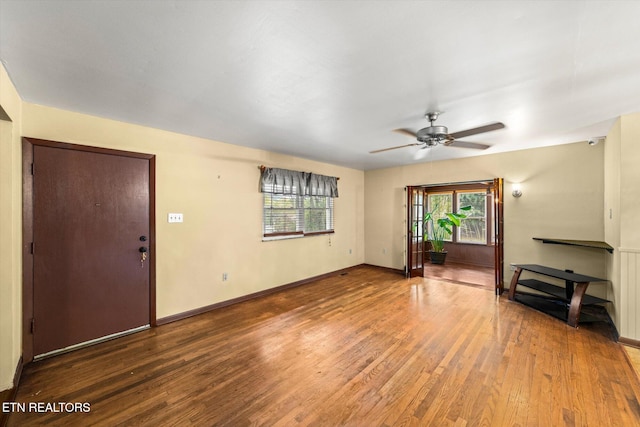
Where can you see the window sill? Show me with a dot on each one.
(296, 236)
(273, 238)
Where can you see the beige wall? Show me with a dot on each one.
(630, 181)
(215, 186)
(622, 204)
(10, 232)
(563, 190)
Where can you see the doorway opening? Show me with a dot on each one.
(475, 248)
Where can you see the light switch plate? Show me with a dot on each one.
(175, 217)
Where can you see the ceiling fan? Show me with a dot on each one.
(434, 135)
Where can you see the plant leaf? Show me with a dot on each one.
(454, 218)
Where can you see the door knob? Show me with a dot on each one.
(143, 249)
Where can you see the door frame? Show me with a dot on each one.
(497, 225)
(27, 230)
(498, 231)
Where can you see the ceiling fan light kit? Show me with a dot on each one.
(437, 134)
(433, 134)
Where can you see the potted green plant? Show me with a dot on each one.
(438, 229)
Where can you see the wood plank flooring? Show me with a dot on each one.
(633, 355)
(463, 274)
(368, 348)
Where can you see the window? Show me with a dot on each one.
(473, 229)
(477, 227)
(296, 204)
(291, 215)
(439, 204)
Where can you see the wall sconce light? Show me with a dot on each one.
(516, 190)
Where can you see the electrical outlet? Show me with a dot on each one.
(349, 251)
(384, 251)
(225, 276)
(175, 217)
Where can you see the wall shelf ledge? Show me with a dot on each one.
(582, 243)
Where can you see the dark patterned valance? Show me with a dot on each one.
(284, 181)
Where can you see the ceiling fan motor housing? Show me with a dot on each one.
(433, 135)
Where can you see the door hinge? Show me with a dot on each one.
(33, 325)
(31, 168)
(31, 248)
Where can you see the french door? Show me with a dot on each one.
(498, 200)
(415, 233)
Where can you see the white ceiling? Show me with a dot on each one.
(330, 80)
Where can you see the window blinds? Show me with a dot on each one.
(297, 203)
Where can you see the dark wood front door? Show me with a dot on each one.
(91, 217)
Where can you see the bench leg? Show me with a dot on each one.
(576, 304)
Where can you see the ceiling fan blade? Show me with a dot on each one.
(466, 144)
(393, 148)
(481, 129)
(406, 132)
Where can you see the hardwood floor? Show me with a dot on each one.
(633, 354)
(363, 349)
(463, 274)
